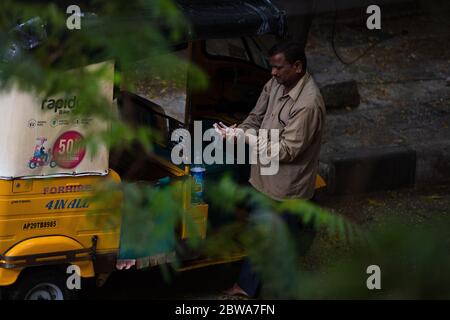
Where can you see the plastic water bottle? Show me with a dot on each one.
(198, 172)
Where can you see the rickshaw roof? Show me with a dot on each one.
(231, 18)
(208, 19)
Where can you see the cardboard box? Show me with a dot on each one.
(40, 136)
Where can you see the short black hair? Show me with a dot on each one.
(293, 51)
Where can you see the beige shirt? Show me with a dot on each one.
(300, 117)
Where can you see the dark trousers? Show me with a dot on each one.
(249, 280)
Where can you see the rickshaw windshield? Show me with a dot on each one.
(162, 79)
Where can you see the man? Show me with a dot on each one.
(290, 102)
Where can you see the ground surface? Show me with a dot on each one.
(401, 77)
(412, 206)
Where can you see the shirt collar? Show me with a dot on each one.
(294, 93)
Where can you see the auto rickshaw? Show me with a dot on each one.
(47, 220)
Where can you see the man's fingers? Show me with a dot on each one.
(224, 131)
(219, 130)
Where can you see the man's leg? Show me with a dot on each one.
(303, 233)
(249, 280)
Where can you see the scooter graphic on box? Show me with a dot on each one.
(40, 157)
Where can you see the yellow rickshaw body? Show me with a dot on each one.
(39, 217)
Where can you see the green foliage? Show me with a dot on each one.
(410, 258)
(273, 251)
(119, 34)
(150, 215)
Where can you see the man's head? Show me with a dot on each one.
(288, 62)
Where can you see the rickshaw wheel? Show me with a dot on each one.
(52, 164)
(41, 284)
(32, 165)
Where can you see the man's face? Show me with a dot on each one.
(284, 72)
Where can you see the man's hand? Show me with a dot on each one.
(226, 132)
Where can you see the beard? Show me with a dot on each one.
(279, 80)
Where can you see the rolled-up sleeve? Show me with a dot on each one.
(297, 135)
(256, 116)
